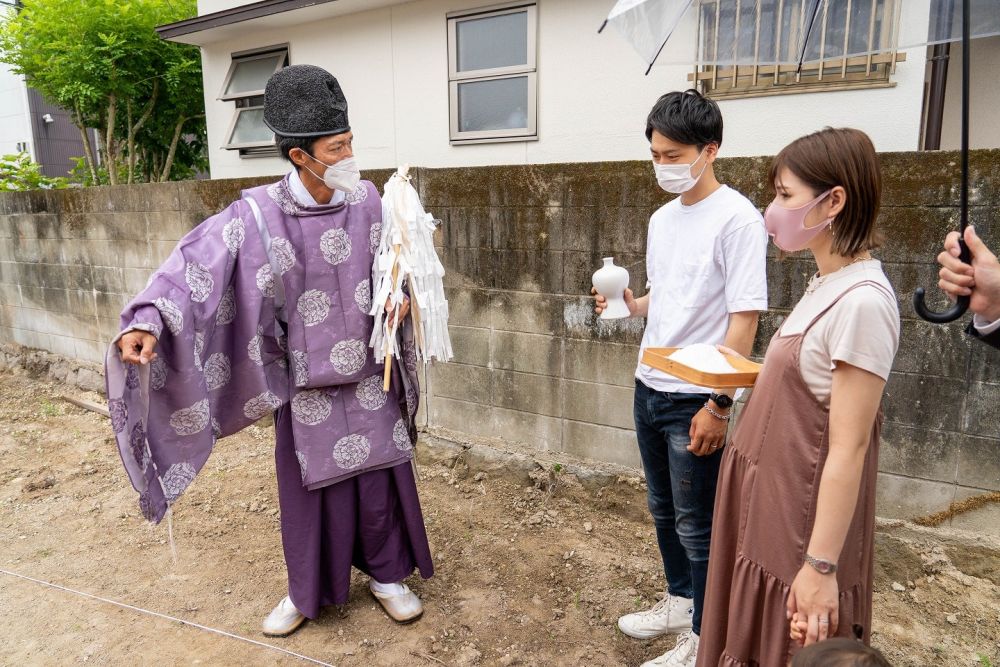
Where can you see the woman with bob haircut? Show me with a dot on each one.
(792, 546)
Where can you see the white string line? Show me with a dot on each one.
(169, 618)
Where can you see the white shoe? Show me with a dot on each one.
(283, 620)
(671, 614)
(402, 605)
(684, 654)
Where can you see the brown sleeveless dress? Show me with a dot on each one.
(764, 512)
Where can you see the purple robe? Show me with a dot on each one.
(223, 364)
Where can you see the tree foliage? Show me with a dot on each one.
(102, 61)
(18, 172)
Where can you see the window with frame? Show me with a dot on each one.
(752, 31)
(244, 85)
(492, 74)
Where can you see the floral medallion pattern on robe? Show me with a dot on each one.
(261, 405)
(352, 451)
(227, 308)
(349, 356)
(284, 254)
(363, 295)
(335, 245)
(158, 374)
(359, 194)
(199, 281)
(171, 314)
(300, 368)
(370, 394)
(177, 478)
(218, 371)
(254, 347)
(311, 407)
(313, 307)
(401, 436)
(233, 235)
(188, 421)
(265, 281)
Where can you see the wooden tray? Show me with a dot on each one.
(746, 375)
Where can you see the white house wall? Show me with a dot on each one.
(592, 95)
(984, 131)
(15, 124)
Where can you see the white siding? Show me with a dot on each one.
(15, 124)
(984, 131)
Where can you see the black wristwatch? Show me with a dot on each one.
(723, 401)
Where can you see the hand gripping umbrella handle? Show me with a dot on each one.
(953, 313)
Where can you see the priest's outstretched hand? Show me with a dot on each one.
(137, 347)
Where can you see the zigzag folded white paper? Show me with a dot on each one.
(406, 256)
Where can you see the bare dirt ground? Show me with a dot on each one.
(527, 574)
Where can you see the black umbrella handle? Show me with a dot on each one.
(961, 303)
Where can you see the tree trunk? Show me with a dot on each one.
(133, 130)
(169, 162)
(130, 144)
(88, 156)
(109, 138)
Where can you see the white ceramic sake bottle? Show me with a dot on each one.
(610, 282)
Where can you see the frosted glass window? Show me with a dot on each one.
(499, 104)
(493, 41)
(250, 129)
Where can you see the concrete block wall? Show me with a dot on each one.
(533, 364)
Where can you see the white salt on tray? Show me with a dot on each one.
(703, 357)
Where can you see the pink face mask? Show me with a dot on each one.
(787, 225)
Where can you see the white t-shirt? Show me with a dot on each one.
(862, 329)
(704, 262)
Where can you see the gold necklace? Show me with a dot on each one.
(817, 280)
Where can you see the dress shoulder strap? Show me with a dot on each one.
(847, 291)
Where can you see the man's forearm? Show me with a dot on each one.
(740, 336)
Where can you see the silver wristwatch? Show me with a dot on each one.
(820, 565)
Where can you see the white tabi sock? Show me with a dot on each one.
(387, 589)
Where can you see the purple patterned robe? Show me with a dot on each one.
(223, 364)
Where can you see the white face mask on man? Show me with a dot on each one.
(343, 175)
(677, 178)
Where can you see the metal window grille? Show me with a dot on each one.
(853, 45)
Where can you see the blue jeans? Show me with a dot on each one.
(681, 488)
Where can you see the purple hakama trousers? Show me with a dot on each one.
(371, 521)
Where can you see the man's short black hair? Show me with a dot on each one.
(686, 117)
(286, 144)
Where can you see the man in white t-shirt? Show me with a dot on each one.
(706, 266)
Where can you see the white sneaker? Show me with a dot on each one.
(671, 614)
(399, 602)
(283, 620)
(684, 654)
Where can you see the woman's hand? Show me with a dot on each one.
(137, 347)
(404, 310)
(600, 303)
(814, 599)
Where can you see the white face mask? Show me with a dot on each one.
(677, 178)
(343, 175)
